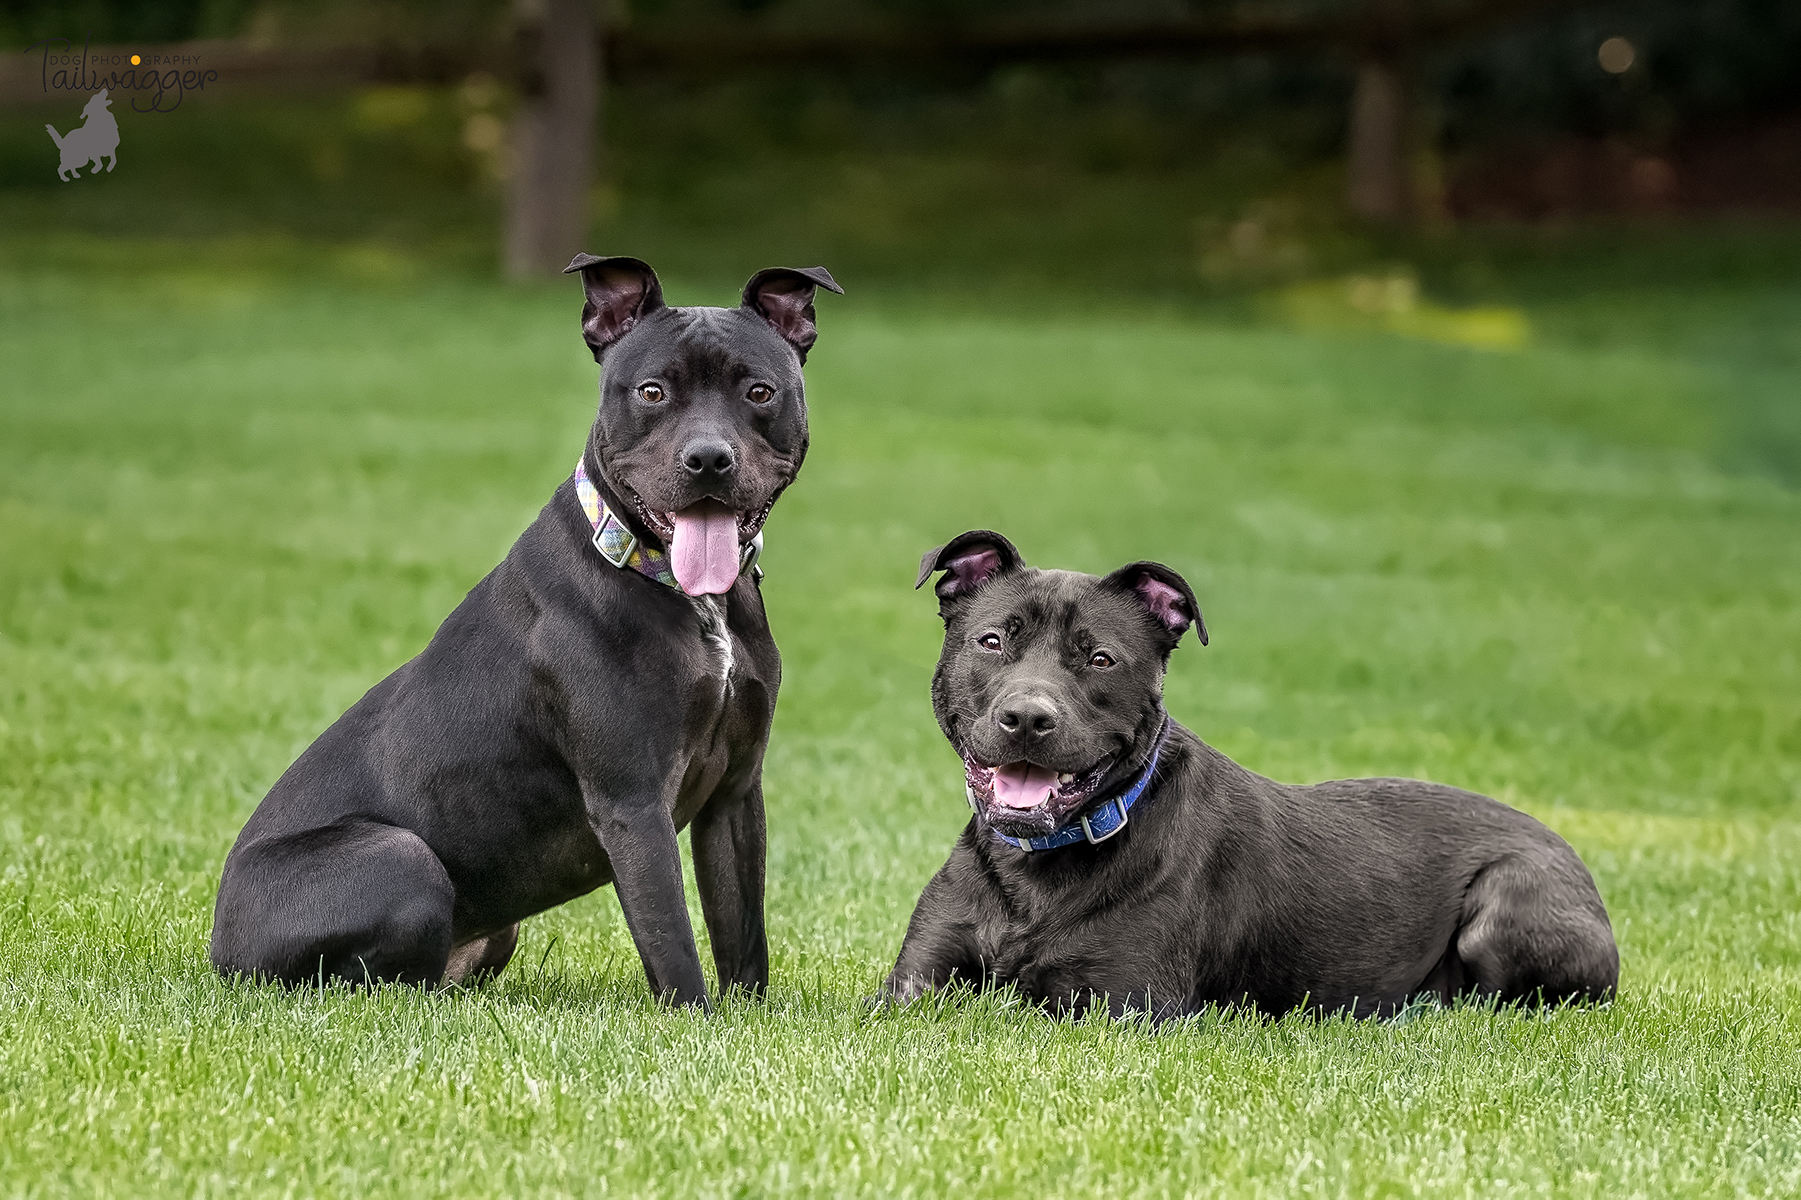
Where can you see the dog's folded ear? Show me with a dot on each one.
(783, 296)
(620, 292)
(968, 561)
(1164, 594)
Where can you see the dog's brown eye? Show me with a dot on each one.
(1101, 659)
(651, 393)
(762, 394)
(989, 641)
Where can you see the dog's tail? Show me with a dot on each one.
(54, 136)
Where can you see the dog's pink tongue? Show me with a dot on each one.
(704, 550)
(1022, 785)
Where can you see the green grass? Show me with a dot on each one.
(241, 482)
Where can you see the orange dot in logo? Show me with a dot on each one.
(134, 60)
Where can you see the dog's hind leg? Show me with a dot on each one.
(356, 901)
(1448, 980)
(476, 962)
(1535, 930)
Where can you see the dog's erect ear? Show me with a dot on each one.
(1164, 594)
(968, 561)
(783, 296)
(620, 291)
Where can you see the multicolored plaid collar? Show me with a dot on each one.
(621, 547)
(1099, 824)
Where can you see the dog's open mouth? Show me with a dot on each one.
(1026, 795)
(705, 541)
(703, 548)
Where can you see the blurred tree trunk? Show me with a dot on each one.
(553, 135)
(1377, 184)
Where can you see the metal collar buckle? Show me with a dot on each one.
(748, 556)
(622, 553)
(1088, 832)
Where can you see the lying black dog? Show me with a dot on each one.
(608, 683)
(1114, 856)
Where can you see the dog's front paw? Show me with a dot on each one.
(899, 992)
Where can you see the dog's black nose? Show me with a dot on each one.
(709, 458)
(1035, 715)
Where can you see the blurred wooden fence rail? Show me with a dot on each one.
(628, 53)
(557, 62)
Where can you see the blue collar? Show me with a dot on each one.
(1099, 824)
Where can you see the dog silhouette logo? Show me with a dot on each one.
(97, 138)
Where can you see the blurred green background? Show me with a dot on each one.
(1500, 490)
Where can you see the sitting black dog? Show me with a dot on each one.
(608, 683)
(1116, 857)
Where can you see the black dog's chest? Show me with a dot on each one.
(1045, 953)
(730, 697)
(1060, 923)
(671, 702)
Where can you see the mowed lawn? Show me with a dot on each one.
(1569, 575)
